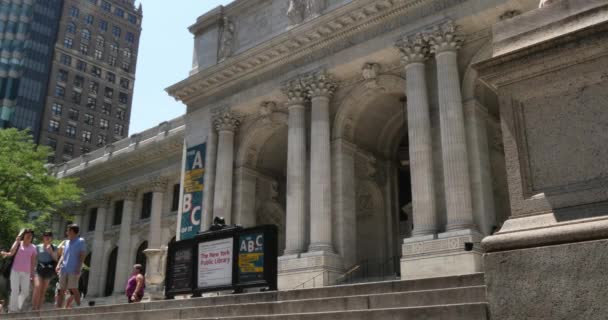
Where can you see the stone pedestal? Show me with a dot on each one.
(444, 255)
(549, 69)
(309, 270)
(155, 273)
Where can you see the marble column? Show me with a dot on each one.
(95, 287)
(445, 44)
(415, 51)
(321, 87)
(123, 267)
(154, 272)
(209, 186)
(295, 237)
(226, 125)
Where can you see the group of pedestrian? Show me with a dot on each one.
(41, 263)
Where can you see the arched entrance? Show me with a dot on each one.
(140, 257)
(84, 278)
(111, 272)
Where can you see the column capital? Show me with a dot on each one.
(295, 91)
(414, 48)
(321, 84)
(128, 193)
(158, 183)
(227, 121)
(102, 201)
(443, 38)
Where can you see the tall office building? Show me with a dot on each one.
(90, 90)
(28, 30)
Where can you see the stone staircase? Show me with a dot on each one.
(449, 298)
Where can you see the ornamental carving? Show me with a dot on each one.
(226, 122)
(321, 84)
(300, 10)
(414, 48)
(227, 36)
(370, 72)
(443, 38)
(266, 109)
(295, 91)
(128, 193)
(158, 183)
(102, 201)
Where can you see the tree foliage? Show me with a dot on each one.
(26, 187)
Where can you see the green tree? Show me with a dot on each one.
(27, 188)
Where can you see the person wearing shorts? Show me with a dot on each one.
(70, 265)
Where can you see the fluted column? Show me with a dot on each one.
(320, 87)
(445, 44)
(226, 125)
(95, 287)
(414, 51)
(295, 238)
(159, 186)
(209, 184)
(123, 269)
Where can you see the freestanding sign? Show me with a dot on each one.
(257, 257)
(215, 263)
(192, 202)
(180, 262)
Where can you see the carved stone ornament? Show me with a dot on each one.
(158, 184)
(321, 84)
(128, 193)
(295, 91)
(370, 72)
(414, 48)
(300, 10)
(443, 38)
(227, 36)
(266, 109)
(226, 122)
(102, 201)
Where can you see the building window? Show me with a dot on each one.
(86, 136)
(106, 6)
(112, 61)
(103, 124)
(96, 72)
(111, 77)
(100, 42)
(119, 12)
(98, 54)
(74, 12)
(68, 42)
(126, 66)
(73, 114)
(120, 114)
(101, 140)
(52, 143)
(91, 103)
(123, 98)
(124, 83)
(84, 49)
(126, 55)
(59, 91)
(130, 37)
(78, 81)
(71, 28)
(119, 129)
(93, 87)
(81, 66)
(86, 35)
(116, 31)
(146, 205)
(76, 97)
(53, 126)
(92, 219)
(103, 25)
(113, 49)
(109, 93)
(70, 131)
(84, 150)
(89, 19)
(62, 76)
(68, 149)
(175, 201)
(106, 108)
(118, 205)
(132, 18)
(56, 109)
(65, 59)
(89, 119)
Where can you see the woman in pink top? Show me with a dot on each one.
(22, 272)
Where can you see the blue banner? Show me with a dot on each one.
(192, 203)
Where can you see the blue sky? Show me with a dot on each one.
(165, 57)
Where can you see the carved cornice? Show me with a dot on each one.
(326, 30)
(102, 201)
(158, 183)
(443, 38)
(128, 193)
(295, 91)
(414, 48)
(227, 121)
(321, 84)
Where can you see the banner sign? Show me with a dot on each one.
(215, 263)
(192, 204)
(251, 257)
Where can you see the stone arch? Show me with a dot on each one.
(110, 272)
(140, 257)
(469, 79)
(254, 135)
(358, 99)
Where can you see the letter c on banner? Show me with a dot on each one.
(193, 219)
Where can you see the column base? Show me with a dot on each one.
(309, 270)
(441, 255)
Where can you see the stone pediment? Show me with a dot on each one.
(310, 37)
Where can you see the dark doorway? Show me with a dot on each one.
(140, 258)
(111, 273)
(84, 278)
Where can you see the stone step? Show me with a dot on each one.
(334, 304)
(378, 288)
